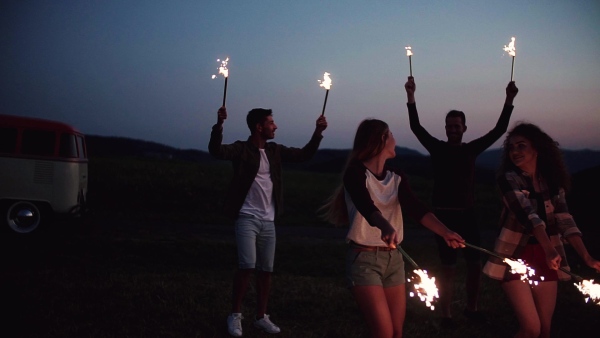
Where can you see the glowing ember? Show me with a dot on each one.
(408, 51)
(426, 290)
(223, 68)
(510, 49)
(590, 289)
(519, 267)
(326, 82)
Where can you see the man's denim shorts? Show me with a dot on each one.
(255, 243)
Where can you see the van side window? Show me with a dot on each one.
(81, 146)
(38, 142)
(8, 140)
(68, 147)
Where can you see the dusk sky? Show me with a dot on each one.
(142, 69)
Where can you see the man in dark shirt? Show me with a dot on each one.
(454, 193)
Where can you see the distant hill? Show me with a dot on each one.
(108, 146)
(326, 160)
(576, 160)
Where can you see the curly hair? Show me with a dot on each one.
(550, 163)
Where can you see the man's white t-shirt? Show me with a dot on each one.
(259, 200)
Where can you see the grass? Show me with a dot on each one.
(144, 265)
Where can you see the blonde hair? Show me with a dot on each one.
(369, 142)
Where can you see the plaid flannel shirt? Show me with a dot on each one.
(520, 215)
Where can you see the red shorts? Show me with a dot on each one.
(534, 256)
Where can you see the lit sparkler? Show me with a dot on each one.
(519, 267)
(325, 83)
(587, 287)
(409, 53)
(516, 266)
(590, 289)
(510, 49)
(426, 290)
(223, 70)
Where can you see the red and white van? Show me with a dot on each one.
(43, 171)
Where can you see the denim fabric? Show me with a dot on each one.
(255, 243)
(383, 268)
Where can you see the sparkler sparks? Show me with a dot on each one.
(223, 70)
(426, 290)
(325, 83)
(590, 289)
(519, 267)
(510, 49)
(409, 53)
(516, 266)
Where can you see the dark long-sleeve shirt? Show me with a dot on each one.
(389, 195)
(454, 165)
(245, 158)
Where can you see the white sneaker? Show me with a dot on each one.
(234, 324)
(266, 325)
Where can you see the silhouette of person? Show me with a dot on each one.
(453, 197)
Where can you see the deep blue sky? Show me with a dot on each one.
(142, 69)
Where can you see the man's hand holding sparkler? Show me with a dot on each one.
(511, 93)
(321, 125)
(221, 115)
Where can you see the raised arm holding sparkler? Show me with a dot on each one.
(454, 193)
(254, 200)
(512, 51)
(535, 217)
(223, 70)
(325, 83)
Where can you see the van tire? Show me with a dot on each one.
(23, 217)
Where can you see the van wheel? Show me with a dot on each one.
(23, 217)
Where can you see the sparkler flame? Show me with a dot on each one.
(590, 289)
(326, 82)
(510, 49)
(408, 50)
(223, 68)
(426, 290)
(519, 267)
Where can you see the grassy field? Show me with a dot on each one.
(143, 264)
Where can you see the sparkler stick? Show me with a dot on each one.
(325, 83)
(483, 250)
(225, 92)
(577, 277)
(409, 53)
(587, 287)
(516, 266)
(405, 255)
(512, 52)
(223, 70)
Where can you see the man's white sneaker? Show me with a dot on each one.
(234, 324)
(266, 325)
